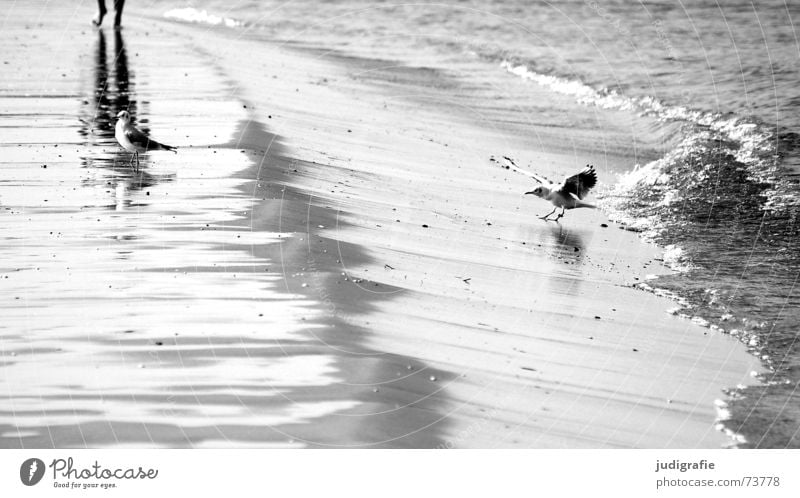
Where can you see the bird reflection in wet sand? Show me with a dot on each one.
(568, 248)
(568, 243)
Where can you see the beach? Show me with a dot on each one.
(334, 258)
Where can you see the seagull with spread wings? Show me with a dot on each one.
(568, 195)
(135, 140)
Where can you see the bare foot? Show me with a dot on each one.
(97, 20)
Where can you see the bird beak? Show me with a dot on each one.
(526, 193)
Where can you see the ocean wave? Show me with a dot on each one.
(201, 16)
(746, 140)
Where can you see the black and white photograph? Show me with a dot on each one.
(435, 225)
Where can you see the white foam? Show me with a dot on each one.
(724, 415)
(675, 258)
(189, 14)
(582, 92)
(755, 144)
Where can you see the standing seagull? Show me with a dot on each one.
(568, 195)
(135, 140)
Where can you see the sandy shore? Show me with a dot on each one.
(331, 259)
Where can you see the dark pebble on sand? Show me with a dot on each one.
(159, 343)
(596, 317)
(635, 350)
(424, 226)
(603, 225)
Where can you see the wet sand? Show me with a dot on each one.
(331, 259)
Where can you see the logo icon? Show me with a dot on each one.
(31, 471)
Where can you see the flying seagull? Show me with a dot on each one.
(567, 195)
(135, 140)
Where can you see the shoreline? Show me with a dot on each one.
(399, 205)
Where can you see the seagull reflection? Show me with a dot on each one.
(568, 243)
(568, 248)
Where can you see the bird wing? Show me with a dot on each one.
(139, 139)
(580, 184)
(510, 164)
(136, 136)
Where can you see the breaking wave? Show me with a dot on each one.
(201, 16)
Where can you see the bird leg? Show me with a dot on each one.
(136, 155)
(131, 162)
(561, 215)
(547, 215)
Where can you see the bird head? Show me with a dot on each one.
(124, 116)
(539, 192)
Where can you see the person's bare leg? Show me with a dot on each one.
(118, 6)
(97, 20)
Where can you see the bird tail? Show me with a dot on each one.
(581, 204)
(153, 145)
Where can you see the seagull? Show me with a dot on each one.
(567, 195)
(135, 140)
